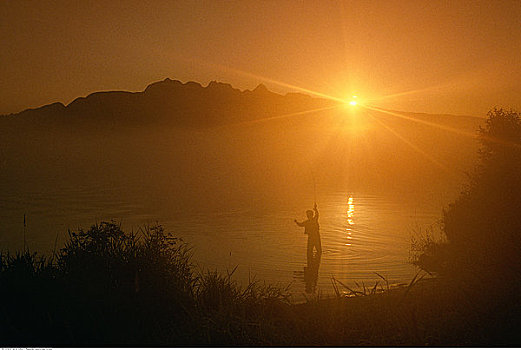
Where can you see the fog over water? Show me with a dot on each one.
(233, 191)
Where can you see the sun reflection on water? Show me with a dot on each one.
(350, 222)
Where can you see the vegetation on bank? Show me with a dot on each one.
(480, 238)
(109, 287)
(478, 247)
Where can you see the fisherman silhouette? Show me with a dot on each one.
(311, 229)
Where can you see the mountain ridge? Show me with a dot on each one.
(190, 104)
(172, 101)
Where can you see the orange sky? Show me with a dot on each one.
(461, 57)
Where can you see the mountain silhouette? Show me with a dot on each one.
(174, 103)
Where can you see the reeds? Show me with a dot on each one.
(109, 287)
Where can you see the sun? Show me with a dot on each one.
(352, 102)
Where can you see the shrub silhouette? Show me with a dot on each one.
(108, 287)
(104, 287)
(107, 258)
(482, 226)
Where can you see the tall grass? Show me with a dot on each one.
(108, 287)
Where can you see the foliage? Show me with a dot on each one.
(429, 250)
(231, 314)
(483, 225)
(107, 287)
(101, 288)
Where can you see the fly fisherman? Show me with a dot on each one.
(311, 229)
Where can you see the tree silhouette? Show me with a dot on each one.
(483, 225)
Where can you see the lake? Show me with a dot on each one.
(233, 193)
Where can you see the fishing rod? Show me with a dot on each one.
(314, 188)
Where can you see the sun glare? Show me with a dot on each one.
(352, 102)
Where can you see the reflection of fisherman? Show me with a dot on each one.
(311, 273)
(311, 229)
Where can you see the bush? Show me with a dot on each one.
(104, 287)
(430, 250)
(483, 225)
(108, 287)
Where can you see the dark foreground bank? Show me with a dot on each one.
(108, 287)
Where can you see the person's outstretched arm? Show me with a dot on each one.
(316, 211)
(301, 224)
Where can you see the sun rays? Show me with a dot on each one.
(284, 116)
(356, 110)
(413, 146)
(442, 127)
(257, 77)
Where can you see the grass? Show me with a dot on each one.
(107, 287)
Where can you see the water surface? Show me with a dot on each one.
(234, 192)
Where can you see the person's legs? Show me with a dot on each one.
(314, 243)
(310, 249)
(318, 245)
